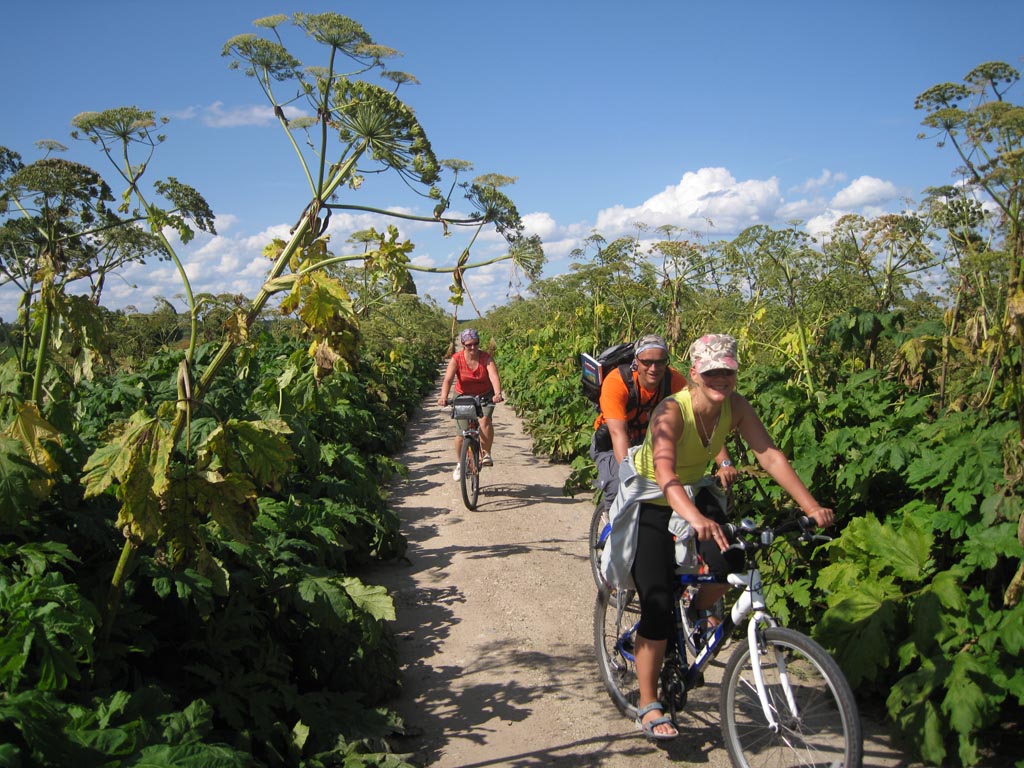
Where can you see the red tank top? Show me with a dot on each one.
(469, 382)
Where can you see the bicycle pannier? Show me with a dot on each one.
(467, 407)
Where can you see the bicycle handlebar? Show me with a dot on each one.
(484, 400)
(749, 536)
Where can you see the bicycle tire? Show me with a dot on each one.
(470, 480)
(598, 521)
(827, 731)
(616, 613)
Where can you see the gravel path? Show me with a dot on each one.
(495, 622)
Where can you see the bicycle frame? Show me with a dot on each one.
(468, 409)
(783, 698)
(750, 603)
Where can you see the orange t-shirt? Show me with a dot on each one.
(615, 396)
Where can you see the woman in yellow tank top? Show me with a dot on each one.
(686, 431)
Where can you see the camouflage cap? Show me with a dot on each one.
(714, 351)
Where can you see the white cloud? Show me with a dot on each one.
(216, 116)
(708, 198)
(541, 224)
(224, 222)
(822, 222)
(864, 191)
(710, 201)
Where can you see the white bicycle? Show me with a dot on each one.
(784, 700)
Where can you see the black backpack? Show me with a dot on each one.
(596, 369)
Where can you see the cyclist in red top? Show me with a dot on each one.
(473, 372)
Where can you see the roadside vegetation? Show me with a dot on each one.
(187, 496)
(886, 360)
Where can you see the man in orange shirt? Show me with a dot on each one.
(622, 422)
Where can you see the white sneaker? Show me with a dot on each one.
(457, 474)
(486, 460)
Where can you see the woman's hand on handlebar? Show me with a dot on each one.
(706, 529)
(727, 476)
(823, 516)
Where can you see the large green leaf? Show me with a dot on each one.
(18, 476)
(258, 448)
(985, 546)
(970, 702)
(325, 599)
(910, 705)
(903, 553)
(197, 755)
(374, 600)
(860, 629)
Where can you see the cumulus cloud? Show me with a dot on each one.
(710, 201)
(868, 196)
(541, 224)
(708, 198)
(864, 191)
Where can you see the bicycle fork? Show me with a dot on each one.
(751, 602)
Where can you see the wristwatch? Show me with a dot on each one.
(726, 463)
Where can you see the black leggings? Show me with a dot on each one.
(655, 564)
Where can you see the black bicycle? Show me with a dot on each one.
(784, 701)
(469, 408)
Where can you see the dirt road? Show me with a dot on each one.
(495, 617)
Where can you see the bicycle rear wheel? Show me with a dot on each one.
(470, 480)
(822, 729)
(598, 536)
(616, 613)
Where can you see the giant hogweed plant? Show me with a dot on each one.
(279, 631)
(359, 127)
(918, 592)
(916, 595)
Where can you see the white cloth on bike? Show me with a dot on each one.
(620, 551)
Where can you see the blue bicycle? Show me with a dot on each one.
(600, 530)
(784, 701)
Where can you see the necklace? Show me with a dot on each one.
(706, 437)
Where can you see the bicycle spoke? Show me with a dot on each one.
(824, 729)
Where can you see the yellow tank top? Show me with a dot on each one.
(692, 458)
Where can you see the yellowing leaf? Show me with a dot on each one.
(31, 429)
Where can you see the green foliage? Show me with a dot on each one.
(244, 611)
(890, 414)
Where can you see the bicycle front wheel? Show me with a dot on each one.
(599, 530)
(806, 694)
(470, 480)
(616, 614)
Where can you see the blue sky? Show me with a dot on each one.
(709, 116)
